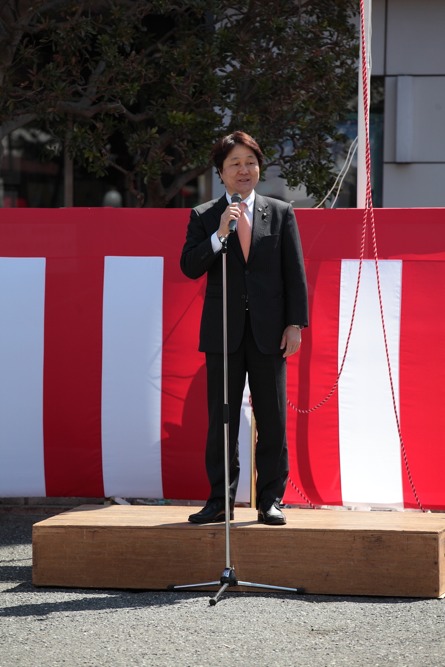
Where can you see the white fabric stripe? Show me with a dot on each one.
(22, 312)
(132, 376)
(370, 459)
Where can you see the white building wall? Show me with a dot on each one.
(408, 48)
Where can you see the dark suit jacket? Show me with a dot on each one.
(273, 280)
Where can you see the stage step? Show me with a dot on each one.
(333, 552)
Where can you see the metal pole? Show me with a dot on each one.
(252, 460)
(361, 126)
(226, 404)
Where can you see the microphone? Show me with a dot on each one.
(235, 199)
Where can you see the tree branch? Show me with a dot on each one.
(183, 179)
(14, 124)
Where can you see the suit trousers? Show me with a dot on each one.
(267, 382)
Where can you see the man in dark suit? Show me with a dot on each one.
(266, 310)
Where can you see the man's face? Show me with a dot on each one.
(240, 171)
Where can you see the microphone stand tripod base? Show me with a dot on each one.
(228, 580)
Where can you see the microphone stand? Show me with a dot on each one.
(228, 576)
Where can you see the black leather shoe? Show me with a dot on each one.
(213, 512)
(272, 516)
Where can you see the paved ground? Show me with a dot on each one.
(43, 627)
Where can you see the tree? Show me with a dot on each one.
(162, 79)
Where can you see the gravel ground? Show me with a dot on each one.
(48, 627)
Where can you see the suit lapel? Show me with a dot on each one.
(261, 221)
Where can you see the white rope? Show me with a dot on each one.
(341, 175)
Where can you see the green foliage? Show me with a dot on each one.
(168, 77)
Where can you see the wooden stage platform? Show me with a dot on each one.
(334, 552)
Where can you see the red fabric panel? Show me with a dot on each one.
(422, 382)
(161, 233)
(72, 377)
(330, 233)
(416, 233)
(75, 242)
(313, 438)
(184, 384)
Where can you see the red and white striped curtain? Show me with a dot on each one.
(102, 389)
